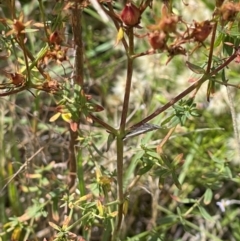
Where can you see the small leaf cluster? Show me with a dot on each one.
(162, 165)
(185, 109)
(73, 103)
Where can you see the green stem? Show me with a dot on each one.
(128, 80)
(122, 131)
(127, 95)
(42, 11)
(80, 172)
(22, 45)
(120, 180)
(211, 48)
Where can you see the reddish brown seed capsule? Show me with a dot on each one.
(202, 30)
(55, 38)
(130, 15)
(157, 40)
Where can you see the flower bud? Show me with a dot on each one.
(130, 15)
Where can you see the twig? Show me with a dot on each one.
(164, 140)
(78, 69)
(122, 133)
(128, 80)
(99, 10)
(187, 91)
(211, 48)
(103, 124)
(234, 119)
(21, 168)
(72, 160)
(77, 35)
(114, 18)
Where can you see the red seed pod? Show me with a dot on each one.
(202, 30)
(130, 15)
(55, 38)
(157, 40)
(17, 79)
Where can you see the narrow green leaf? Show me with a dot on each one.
(208, 195)
(210, 89)
(195, 68)
(228, 172)
(175, 121)
(111, 138)
(176, 181)
(144, 169)
(205, 214)
(219, 40)
(167, 120)
(166, 161)
(178, 108)
(228, 45)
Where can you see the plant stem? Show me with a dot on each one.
(188, 90)
(122, 132)
(234, 118)
(77, 34)
(78, 69)
(120, 184)
(103, 124)
(211, 47)
(171, 102)
(114, 18)
(42, 11)
(128, 80)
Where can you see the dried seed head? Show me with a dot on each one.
(17, 79)
(18, 26)
(157, 40)
(201, 30)
(130, 15)
(168, 24)
(228, 11)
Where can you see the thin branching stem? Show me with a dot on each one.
(211, 48)
(128, 80)
(103, 124)
(186, 91)
(120, 184)
(234, 118)
(122, 132)
(78, 69)
(79, 51)
(113, 16)
(22, 45)
(42, 11)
